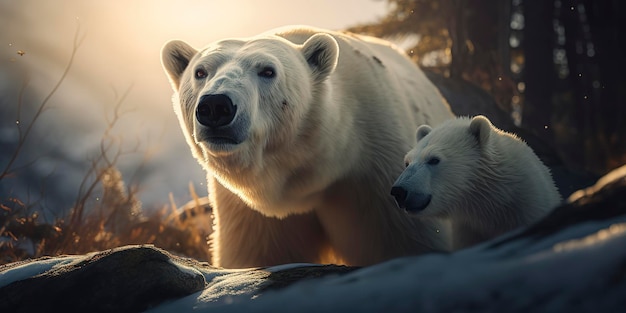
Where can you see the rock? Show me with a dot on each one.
(467, 99)
(127, 279)
(602, 201)
(278, 279)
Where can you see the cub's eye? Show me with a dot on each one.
(433, 161)
(267, 72)
(201, 73)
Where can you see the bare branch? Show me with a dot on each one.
(23, 136)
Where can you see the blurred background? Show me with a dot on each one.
(87, 127)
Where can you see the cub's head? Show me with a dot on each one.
(239, 99)
(443, 168)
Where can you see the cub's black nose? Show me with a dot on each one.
(400, 194)
(215, 110)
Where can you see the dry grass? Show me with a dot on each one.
(117, 221)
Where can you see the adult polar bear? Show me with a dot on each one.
(302, 132)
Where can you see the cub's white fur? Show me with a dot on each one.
(484, 180)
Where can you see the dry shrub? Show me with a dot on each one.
(116, 222)
(116, 217)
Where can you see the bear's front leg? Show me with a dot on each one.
(243, 237)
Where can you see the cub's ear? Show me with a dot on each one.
(422, 131)
(480, 127)
(321, 51)
(175, 57)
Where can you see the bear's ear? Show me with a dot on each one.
(175, 57)
(321, 51)
(422, 131)
(480, 127)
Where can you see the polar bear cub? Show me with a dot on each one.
(484, 180)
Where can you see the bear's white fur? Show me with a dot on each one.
(484, 180)
(302, 143)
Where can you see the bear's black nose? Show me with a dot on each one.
(215, 110)
(400, 194)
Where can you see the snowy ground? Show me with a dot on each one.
(569, 272)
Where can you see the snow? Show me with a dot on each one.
(576, 269)
(26, 270)
(555, 272)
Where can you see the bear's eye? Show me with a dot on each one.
(267, 72)
(201, 73)
(433, 161)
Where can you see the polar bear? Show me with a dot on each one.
(483, 180)
(302, 131)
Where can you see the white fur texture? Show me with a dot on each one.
(319, 145)
(484, 180)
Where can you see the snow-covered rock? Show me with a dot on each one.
(128, 279)
(574, 260)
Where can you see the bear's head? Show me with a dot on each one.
(240, 100)
(237, 95)
(441, 170)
